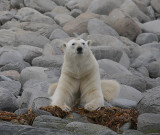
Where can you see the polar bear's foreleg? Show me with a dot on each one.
(91, 94)
(65, 93)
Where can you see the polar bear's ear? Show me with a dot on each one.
(64, 46)
(89, 42)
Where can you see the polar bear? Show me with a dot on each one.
(80, 78)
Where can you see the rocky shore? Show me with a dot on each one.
(126, 44)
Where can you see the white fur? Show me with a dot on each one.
(79, 78)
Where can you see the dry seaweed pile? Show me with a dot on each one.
(112, 117)
(22, 118)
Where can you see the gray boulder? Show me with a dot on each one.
(15, 66)
(75, 12)
(130, 93)
(107, 52)
(134, 81)
(31, 15)
(61, 2)
(131, 8)
(62, 19)
(5, 16)
(41, 28)
(54, 61)
(112, 68)
(79, 24)
(8, 100)
(154, 69)
(96, 26)
(123, 24)
(34, 92)
(124, 103)
(4, 5)
(17, 3)
(89, 128)
(58, 34)
(145, 38)
(36, 73)
(104, 40)
(40, 5)
(14, 87)
(10, 56)
(150, 101)
(60, 10)
(151, 27)
(29, 52)
(103, 7)
(132, 132)
(149, 123)
(46, 121)
(156, 4)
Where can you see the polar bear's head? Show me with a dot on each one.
(77, 47)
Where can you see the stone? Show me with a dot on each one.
(9, 38)
(149, 123)
(31, 38)
(156, 4)
(4, 5)
(47, 121)
(62, 19)
(154, 69)
(132, 132)
(58, 34)
(125, 60)
(143, 60)
(89, 128)
(31, 15)
(14, 75)
(4, 78)
(151, 12)
(123, 24)
(45, 61)
(152, 83)
(10, 56)
(14, 66)
(131, 8)
(152, 45)
(134, 81)
(124, 103)
(107, 52)
(146, 2)
(5, 16)
(151, 27)
(145, 38)
(78, 4)
(96, 26)
(104, 40)
(110, 67)
(8, 100)
(75, 12)
(103, 7)
(34, 90)
(29, 52)
(36, 73)
(14, 87)
(60, 10)
(130, 93)
(40, 28)
(17, 3)
(79, 24)
(40, 5)
(150, 101)
(61, 2)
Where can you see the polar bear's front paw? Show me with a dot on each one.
(64, 107)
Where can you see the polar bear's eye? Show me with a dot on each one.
(83, 43)
(73, 43)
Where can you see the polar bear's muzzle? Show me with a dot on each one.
(79, 50)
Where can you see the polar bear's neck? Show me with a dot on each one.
(78, 66)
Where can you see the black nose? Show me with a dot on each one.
(79, 50)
